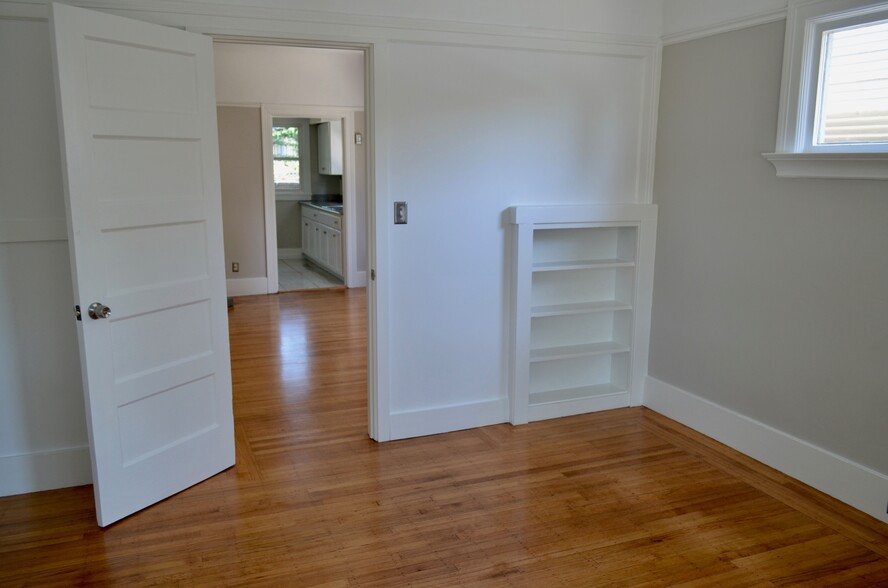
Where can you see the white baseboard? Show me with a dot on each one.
(841, 478)
(360, 280)
(292, 253)
(444, 419)
(45, 470)
(247, 286)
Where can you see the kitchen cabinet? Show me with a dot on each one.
(581, 294)
(330, 148)
(322, 239)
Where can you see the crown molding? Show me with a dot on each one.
(725, 26)
(384, 26)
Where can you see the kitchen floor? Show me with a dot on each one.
(298, 274)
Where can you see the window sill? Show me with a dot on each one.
(856, 166)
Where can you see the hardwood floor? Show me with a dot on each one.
(620, 498)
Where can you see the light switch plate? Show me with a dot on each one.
(400, 213)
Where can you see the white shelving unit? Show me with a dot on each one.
(581, 298)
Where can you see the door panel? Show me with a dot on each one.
(138, 120)
(142, 169)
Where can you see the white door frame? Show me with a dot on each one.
(375, 71)
(353, 278)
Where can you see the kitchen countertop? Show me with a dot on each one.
(332, 207)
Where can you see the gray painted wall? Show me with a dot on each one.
(770, 294)
(288, 215)
(243, 205)
(240, 156)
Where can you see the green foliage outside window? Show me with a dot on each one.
(285, 151)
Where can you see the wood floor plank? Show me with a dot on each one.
(620, 498)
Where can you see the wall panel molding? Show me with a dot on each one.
(31, 230)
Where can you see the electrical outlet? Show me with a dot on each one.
(235, 266)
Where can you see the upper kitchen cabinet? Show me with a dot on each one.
(330, 148)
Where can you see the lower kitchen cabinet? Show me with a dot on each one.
(322, 239)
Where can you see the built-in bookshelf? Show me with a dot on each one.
(581, 306)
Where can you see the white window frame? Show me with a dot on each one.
(301, 191)
(796, 154)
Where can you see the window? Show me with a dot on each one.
(285, 151)
(834, 99)
(852, 97)
(289, 151)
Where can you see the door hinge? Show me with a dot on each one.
(373, 275)
(77, 312)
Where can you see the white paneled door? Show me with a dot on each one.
(138, 120)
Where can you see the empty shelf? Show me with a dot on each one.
(570, 351)
(579, 308)
(551, 266)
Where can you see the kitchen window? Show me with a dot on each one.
(833, 120)
(289, 150)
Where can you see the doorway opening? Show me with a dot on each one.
(292, 123)
(316, 222)
(314, 93)
(306, 175)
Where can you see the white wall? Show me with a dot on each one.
(257, 74)
(477, 108)
(770, 293)
(471, 121)
(477, 130)
(42, 424)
